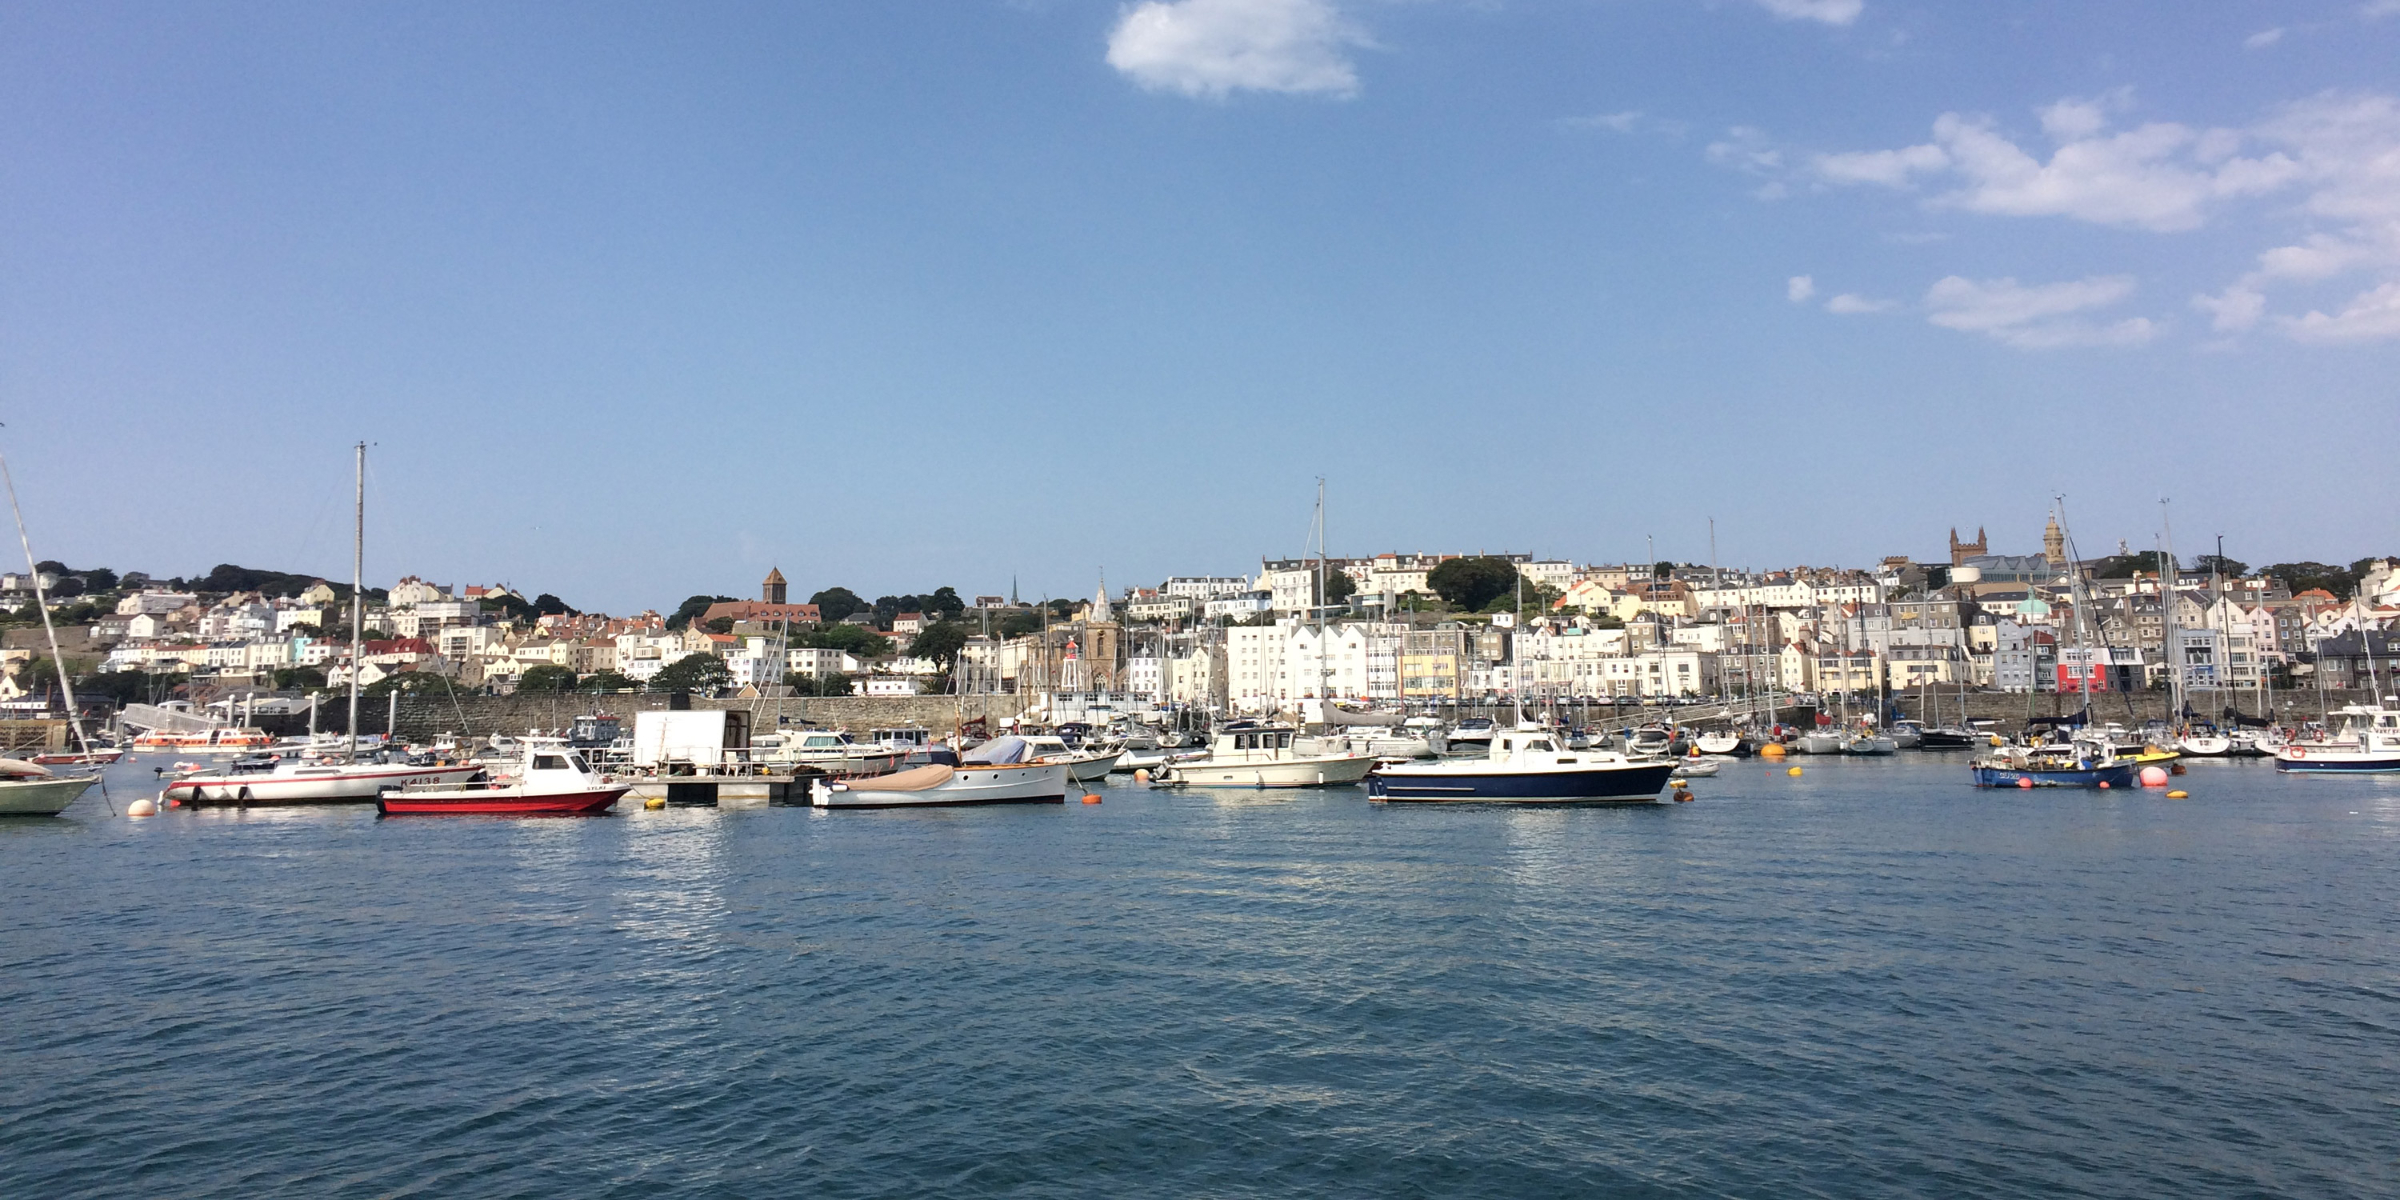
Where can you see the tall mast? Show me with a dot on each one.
(358, 600)
(2169, 576)
(1324, 698)
(41, 601)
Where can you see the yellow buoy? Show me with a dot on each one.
(655, 803)
(1793, 771)
(2179, 794)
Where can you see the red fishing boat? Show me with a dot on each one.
(553, 781)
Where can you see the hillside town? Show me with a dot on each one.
(1392, 630)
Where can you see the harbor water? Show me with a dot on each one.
(1870, 980)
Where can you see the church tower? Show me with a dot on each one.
(2054, 543)
(772, 591)
(1960, 551)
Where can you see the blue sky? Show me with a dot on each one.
(636, 301)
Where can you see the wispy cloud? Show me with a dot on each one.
(1211, 48)
(2037, 316)
(2263, 38)
(1799, 289)
(2371, 316)
(1852, 304)
(1831, 12)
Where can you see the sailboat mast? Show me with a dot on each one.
(1324, 698)
(2168, 579)
(358, 600)
(41, 602)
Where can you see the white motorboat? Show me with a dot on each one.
(1471, 737)
(1083, 765)
(1696, 767)
(1000, 771)
(1822, 740)
(2369, 741)
(1263, 756)
(1376, 745)
(297, 781)
(1869, 742)
(829, 750)
(552, 780)
(1526, 765)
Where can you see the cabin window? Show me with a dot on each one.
(1540, 745)
(576, 761)
(549, 762)
(1245, 741)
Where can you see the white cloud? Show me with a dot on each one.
(2263, 39)
(1891, 168)
(2037, 316)
(1832, 12)
(2372, 316)
(1213, 47)
(1799, 289)
(2160, 176)
(1851, 304)
(1745, 149)
(2378, 8)
(2233, 310)
(1624, 122)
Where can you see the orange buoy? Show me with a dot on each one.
(2024, 782)
(1092, 798)
(1772, 750)
(1141, 775)
(2104, 785)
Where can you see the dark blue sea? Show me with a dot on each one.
(1869, 981)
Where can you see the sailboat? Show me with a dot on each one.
(30, 789)
(298, 781)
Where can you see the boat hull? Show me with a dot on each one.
(2335, 762)
(1614, 784)
(360, 787)
(2115, 775)
(500, 802)
(1035, 783)
(1339, 771)
(42, 797)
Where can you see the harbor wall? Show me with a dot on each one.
(423, 717)
(2009, 709)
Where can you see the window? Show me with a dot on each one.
(549, 762)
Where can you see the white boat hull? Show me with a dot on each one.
(1023, 783)
(1330, 771)
(344, 786)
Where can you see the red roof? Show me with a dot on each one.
(760, 610)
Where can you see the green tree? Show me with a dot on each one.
(549, 605)
(835, 603)
(300, 678)
(849, 639)
(945, 600)
(1339, 587)
(127, 687)
(720, 625)
(548, 677)
(406, 681)
(690, 609)
(2231, 568)
(1021, 621)
(940, 641)
(692, 672)
(1471, 583)
(2123, 566)
(606, 681)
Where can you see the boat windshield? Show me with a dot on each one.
(549, 762)
(575, 761)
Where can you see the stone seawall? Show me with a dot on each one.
(422, 717)
(2008, 709)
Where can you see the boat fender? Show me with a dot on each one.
(655, 803)
(1091, 798)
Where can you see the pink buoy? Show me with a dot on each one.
(2154, 777)
(2023, 782)
(2104, 785)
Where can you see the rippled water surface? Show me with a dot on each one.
(1867, 981)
